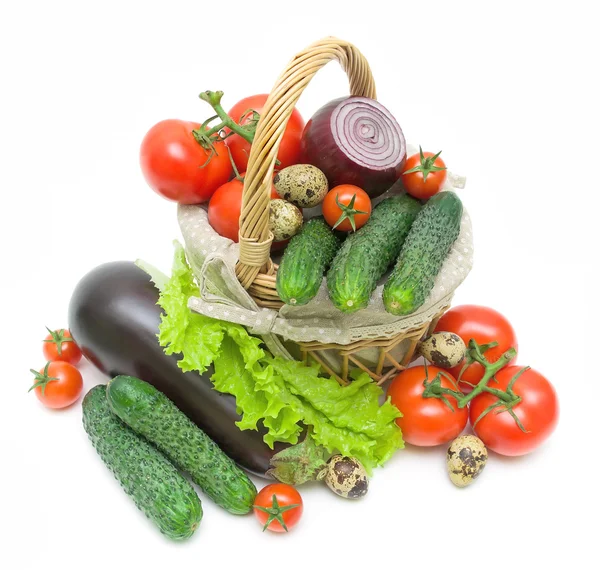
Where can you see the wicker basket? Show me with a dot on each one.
(256, 272)
(255, 269)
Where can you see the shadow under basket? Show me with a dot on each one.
(381, 359)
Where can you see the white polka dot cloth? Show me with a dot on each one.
(213, 260)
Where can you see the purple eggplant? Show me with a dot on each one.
(114, 318)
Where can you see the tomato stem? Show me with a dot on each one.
(434, 388)
(213, 98)
(506, 399)
(42, 380)
(475, 354)
(275, 512)
(348, 212)
(58, 337)
(427, 165)
(236, 172)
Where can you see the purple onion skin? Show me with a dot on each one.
(371, 164)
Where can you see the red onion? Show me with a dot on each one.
(355, 140)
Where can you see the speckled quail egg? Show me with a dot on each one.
(443, 349)
(285, 220)
(301, 184)
(466, 458)
(346, 477)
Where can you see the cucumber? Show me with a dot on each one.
(146, 475)
(367, 254)
(305, 261)
(430, 239)
(151, 414)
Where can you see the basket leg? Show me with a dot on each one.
(432, 326)
(394, 362)
(329, 371)
(363, 367)
(391, 372)
(410, 352)
(381, 361)
(345, 367)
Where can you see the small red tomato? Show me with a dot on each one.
(243, 113)
(346, 207)
(225, 208)
(58, 384)
(424, 174)
(278, 507)
(537, 411)
(177, 167)
(484, 325)
(426, 421)
(59, 345)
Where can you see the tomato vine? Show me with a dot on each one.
(207, 135)
(507, 399)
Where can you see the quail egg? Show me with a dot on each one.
(346, 477)
(285, 220)
(301, 184)
(443, 349)
(466, 458)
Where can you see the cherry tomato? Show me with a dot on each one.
(538, 413)
(424, 174)
(426, 421)
(278, 507)
(484, 325)
(289, 149)
(225, 207)
(279, 245)
(175, 165)
(58, 384)
(59, 345)
(346, 207)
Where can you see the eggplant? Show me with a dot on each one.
(114, 318)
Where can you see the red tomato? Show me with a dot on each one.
(352, 200)
(278, 507)
(537, 412)
(425, 421)
(279, 245)
(289, 149)
(225, 208)
(424, 174)
(59, 345)
(58, 385)
(484, 325)
(174, 164)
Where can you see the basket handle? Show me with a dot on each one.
(254, 236)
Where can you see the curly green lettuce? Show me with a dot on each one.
(283, 395)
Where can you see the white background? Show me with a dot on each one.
(507, 90)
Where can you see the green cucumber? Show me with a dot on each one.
(151, 414)
(427, 245)
(145, 474)
(367, 254)
(305, 261)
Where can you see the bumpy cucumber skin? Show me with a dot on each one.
(305, 261)
(427, 245)
(145, 474)
(151, 414)
(367, 254)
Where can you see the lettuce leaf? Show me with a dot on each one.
(283, 395)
